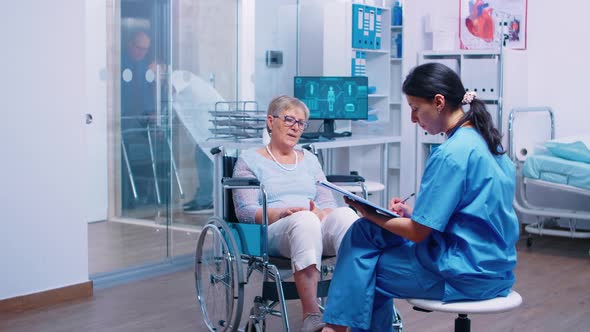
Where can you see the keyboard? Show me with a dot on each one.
(305, 140)
(311, 135)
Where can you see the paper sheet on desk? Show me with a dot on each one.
(359, 199)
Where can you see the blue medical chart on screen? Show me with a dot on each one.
(333, 97)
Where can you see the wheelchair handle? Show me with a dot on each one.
(345, 178)
(240, 182)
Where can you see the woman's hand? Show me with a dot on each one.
(275, 214)
(396, 205)
(322, 214)
(282, 213)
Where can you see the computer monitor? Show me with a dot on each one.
(332, 98)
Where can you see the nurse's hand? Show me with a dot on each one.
(361, 208)
(403, 209)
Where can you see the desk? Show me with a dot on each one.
(356, 140)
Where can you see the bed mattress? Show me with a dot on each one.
(553, 169)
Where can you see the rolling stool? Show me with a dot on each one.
(462, 322)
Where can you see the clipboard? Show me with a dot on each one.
(359, 199)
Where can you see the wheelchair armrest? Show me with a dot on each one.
(345, 178)
(240, 181)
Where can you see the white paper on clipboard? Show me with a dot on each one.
(359, 199)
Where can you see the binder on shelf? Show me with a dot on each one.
(359, 65)
(358, 21)
(353, 64)
(378, 28)
(366, 24)
(372, 36)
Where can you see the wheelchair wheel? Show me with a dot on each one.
(218, 277)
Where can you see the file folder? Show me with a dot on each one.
(365, 31)
(358, 19)
(371, 36)
(358, 64)
(378, 27)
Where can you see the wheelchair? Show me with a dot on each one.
(229, 252)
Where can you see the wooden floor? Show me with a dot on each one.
(553, 278)
(114, 246)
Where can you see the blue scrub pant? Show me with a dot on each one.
(374, 266)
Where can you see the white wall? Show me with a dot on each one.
(246, 53)
(558, 69)
(266, 25)
(311, 15)
(275, 29)
(43, 242)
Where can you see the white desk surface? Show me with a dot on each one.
(340, 142)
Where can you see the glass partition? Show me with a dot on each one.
(204, 72)
(169, 61)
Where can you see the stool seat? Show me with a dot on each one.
(495, 305)
(372, 187)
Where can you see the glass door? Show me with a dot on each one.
(138, 130)
(203, 74)
(169, 62)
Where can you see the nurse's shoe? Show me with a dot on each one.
(313, 323)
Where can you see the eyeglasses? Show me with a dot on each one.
(291, 121)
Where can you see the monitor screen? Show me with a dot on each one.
(332, 98)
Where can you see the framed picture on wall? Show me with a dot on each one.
(484, 22)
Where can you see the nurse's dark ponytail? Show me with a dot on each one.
(481, 119)
(427, 80)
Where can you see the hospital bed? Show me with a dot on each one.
(558, 170)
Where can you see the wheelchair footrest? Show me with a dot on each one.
(269, 290)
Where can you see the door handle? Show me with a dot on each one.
(89, 118)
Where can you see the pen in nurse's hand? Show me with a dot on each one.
(405, 199)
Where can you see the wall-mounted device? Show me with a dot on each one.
(274, 59)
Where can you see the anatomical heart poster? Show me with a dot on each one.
(485, 23)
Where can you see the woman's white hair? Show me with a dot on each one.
(282, 103)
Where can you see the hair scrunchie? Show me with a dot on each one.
(468, 97)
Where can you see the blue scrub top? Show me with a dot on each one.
(466, 197)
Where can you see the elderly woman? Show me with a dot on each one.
(304, 221)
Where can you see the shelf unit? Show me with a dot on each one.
(384, 73)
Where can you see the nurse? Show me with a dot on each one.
(458, 242)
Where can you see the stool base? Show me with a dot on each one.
(462, 323)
